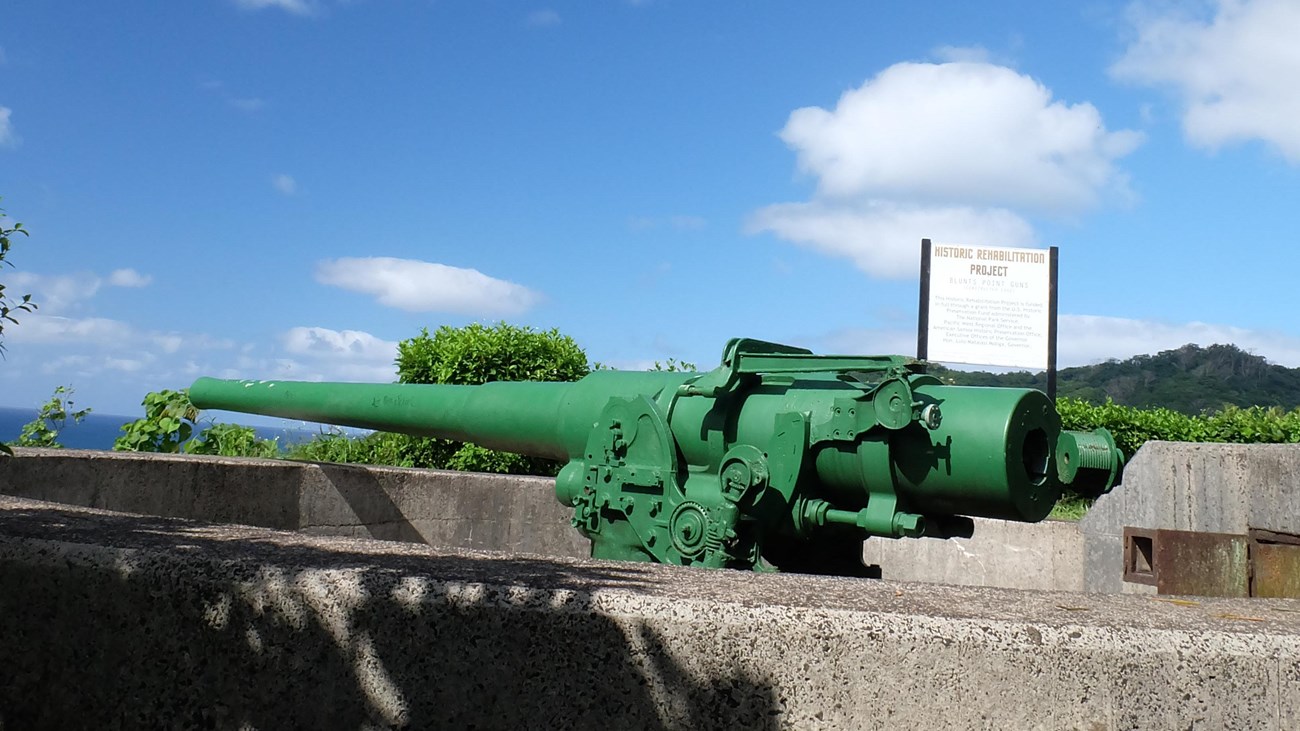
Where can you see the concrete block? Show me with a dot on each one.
(439, 507)
(1044, 556)
(121, 621)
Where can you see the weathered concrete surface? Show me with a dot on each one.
(438, 507)
(1220, 488)
(1041, 556)
(119, 621)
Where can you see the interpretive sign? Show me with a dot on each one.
(988, 305)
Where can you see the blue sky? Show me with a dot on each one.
(287, 188)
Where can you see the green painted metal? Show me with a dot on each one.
(778, 458)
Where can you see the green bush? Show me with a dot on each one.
(169, 422)
(232, 440)
(43, 431)
(377, 448)
(474, 355)
(1132, 427)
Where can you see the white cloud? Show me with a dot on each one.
(42, 328)
(323, 342)
(8, 138)
(61, 293)
(543, 18)
(129, 278)
(959, 133)
(1087, 339)
(57, 293)
(338, 355)
(1235, 72)
(419, 286)
(883, 238)
(296, 7)
(955, 151)
(285, 184)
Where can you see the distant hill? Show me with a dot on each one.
(1190, 379)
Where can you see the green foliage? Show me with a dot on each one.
(232, 440)
(9, 306)
(169, 419)
(474, 355)
(378, 448)
(43, 431)
(675, 366)
(477, 354)
(1132, 427)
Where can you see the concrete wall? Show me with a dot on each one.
(118, 621)
(1220, 488)
(441, 508)
(1208, 487)
(1046, 556)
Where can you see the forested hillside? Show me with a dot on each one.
(1190, 379)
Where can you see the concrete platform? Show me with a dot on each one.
(111, 620)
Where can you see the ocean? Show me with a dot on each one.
(99, 431)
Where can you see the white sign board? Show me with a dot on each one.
(989, 306)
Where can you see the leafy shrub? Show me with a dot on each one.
(169, 420)
(232, 440)
(43, 431)
(474, 355)
(377, 448)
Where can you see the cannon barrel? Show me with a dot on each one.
(539, 419)
(772, 457)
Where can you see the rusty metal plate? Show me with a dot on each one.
(1276, 570)
(1201, 564)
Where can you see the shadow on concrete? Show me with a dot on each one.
(374, 508)
(113, 621)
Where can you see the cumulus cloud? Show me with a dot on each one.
(323, 342)
(285, 184)
(880, 237)
(8, 138)
(41, 328)
(295, 7)
(57, 293)
(61, 293)
(959, 132)
(339, 354)
(1234, 72)
(958, 151)
(420, 286)
(128, 278)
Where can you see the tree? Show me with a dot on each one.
(9, 306)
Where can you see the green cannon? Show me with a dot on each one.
(777, 459)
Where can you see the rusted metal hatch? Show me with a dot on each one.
(1260, 563)
(1274, 563)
